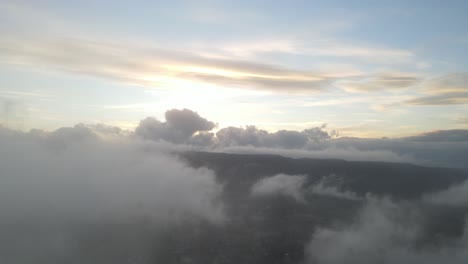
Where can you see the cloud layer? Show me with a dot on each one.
(448, 148)
(55, 187)
(103, 194)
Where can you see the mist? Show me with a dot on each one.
(57, 188)
(173, 192)
(384, 232)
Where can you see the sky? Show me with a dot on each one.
(364, 68)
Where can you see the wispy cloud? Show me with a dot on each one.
(463, 120)
(450, 98)
(319, 46)
(153, 66)
(37, 94)
(385, 81)
(449, 89)
(336, 48)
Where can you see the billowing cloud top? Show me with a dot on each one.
(179, 127)
(447, 148)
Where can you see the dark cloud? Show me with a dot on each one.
(187, 122)
(202, 139)
(326, 150)
(289, 139)
(455, 135)
(429, 151)
(318, 134)
(447, 148)
(451, 151)
(252, 136)
(235, 136)
(179, 127)
(186, 126)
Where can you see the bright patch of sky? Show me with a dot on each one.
(366, 68)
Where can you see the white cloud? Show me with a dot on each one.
(75, 170)
(58, 188)
(287, 185)
(383, 232)
(324, 152)
(456, 195)
(327, 187)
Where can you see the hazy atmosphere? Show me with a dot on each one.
(270, 132)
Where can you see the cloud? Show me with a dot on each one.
(334, 48)
(185, 129)
(456, 195)
(180, 127)
(83, 186)
(372, 239)
(449, 89)
(389, 81)
(447, 148)
(319, 48)
(286, 84)
(462, 120)
(187, 121)
(383, 232)
(252, 136)
(454, 135)
(428, 150)
(448, 98)
(186, 126)
(323, 152)
(104, 168)
(453, 82)
(328, 186)
(249, 135)
(154, 67)
(59, 189)
(282, 184)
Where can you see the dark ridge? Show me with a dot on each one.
(400, 180)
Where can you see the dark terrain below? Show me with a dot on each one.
(276, 228)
